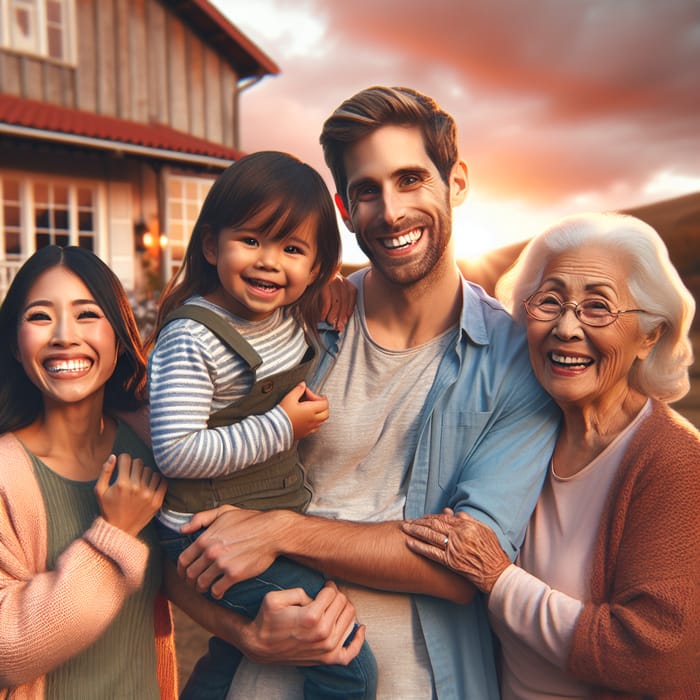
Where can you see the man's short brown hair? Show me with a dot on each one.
(380, 106)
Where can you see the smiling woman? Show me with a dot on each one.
(66, 345)
(97, 300)
(603, 600)
(81, 573)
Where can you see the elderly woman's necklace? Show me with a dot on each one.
(570, 461)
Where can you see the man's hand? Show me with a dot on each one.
(289, 629)
(293, 629)
(237, 544)
(306, 410)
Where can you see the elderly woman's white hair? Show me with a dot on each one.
(653, 282)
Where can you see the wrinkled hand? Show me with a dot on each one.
(306, 410)
(135, 496)
(237, 544)
(293, 629)
(338, 301)
(472, 548)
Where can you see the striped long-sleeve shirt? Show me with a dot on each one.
(192, 374)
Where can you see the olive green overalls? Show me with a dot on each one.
(279, 482)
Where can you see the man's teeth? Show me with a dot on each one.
(68, 366)
(400, 241)
(569, 360)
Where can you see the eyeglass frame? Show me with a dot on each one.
(577, 309)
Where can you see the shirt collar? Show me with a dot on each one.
(472, 319)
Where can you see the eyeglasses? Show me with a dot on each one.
(547, 306)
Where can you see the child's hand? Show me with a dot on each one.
(305, 409)
(338, 301)
(135, 496)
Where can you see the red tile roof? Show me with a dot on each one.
(56, 120)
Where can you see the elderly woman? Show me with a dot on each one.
(605, 600)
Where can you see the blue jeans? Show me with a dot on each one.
(213, 673)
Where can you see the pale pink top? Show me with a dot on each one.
(533, 619)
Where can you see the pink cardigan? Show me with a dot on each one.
(46, 617)
(641, 630)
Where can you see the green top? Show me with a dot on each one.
(122, 662)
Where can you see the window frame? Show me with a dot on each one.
(184, 223)
(28, 229)
(41, 29)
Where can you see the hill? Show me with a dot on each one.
(676, 220)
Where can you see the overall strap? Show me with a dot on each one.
(220, 328)
(263, 395)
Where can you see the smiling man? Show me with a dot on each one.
(433, 404)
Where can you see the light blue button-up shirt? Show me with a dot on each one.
(487, 433)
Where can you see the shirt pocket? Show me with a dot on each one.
(460, 437)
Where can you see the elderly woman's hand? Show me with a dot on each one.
(461, 543)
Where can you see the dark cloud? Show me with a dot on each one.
(552, 97)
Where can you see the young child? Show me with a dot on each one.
(228, 402)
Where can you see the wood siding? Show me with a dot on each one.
(136, 60)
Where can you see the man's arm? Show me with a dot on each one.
(290, 628)
(238, 544)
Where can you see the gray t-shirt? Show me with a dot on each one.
(359, 465)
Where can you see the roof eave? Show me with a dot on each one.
(121, 147)
(247, 58)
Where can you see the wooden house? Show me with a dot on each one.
(115, 117)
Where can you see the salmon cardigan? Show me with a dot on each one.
(36, 638)
(641, 630)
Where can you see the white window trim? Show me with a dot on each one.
(69, 32)
(169, 175)
(28, 227)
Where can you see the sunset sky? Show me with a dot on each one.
(561, 105)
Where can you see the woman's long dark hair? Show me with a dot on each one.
(294, 191)
(20, 400)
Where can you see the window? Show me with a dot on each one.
(185, 198)
(56, 29)
(11, 228)
(47, 212)
(40, 27)
(86, 217)
(24, 33)
(50, 215)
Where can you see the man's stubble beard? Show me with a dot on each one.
(417, 272)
